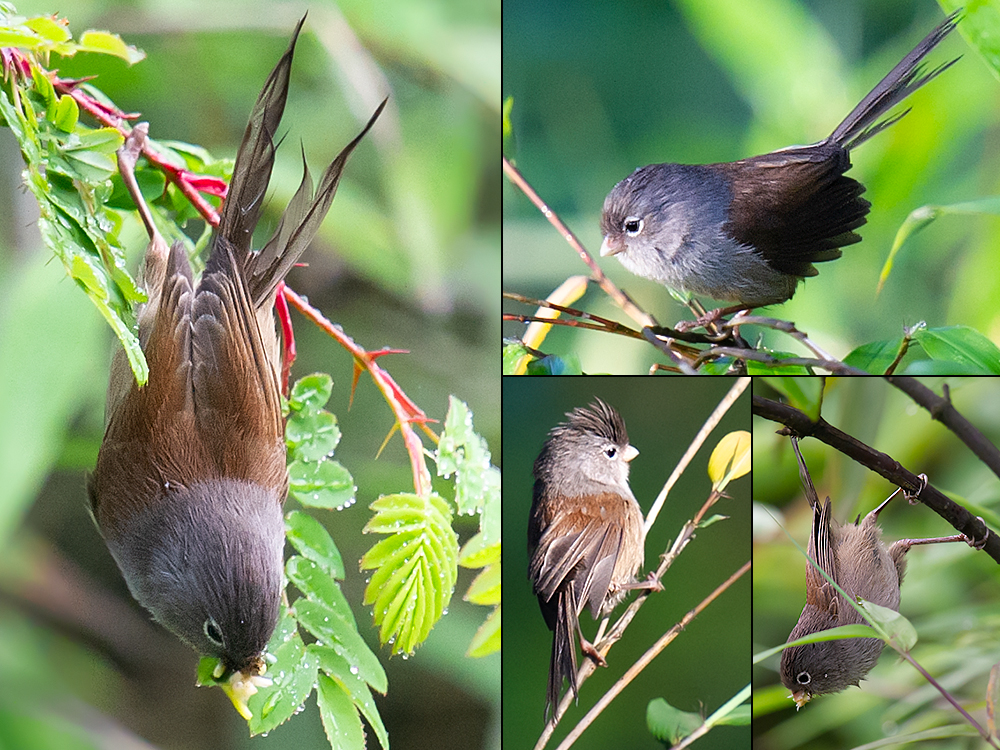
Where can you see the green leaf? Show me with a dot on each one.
(110, 44)
(348, 679)
(293, 675)
(921, 217)
(901, 632)
(340, 720)
(669, 724)
(513, 353)
(311, 392)
(48, 28)
(318, 585)
(874, 357)
(312, 435)
(553, 365)
(338, 632)
(311, 539)
(962, 345)
(805, 394)
(461, 451)
(706, 522)
(67, 113)
(415, 567)
(321, 484)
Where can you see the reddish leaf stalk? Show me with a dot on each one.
(406, 412)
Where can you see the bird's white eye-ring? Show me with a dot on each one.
(632, 225)
(610, 452)
(213, 632)
(803, 678)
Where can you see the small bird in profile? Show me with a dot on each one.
(747, 232)
(585, 533)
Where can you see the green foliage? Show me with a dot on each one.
(312, 434)
(415, 567)
(954, 350)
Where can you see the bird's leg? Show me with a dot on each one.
(652, 583)
(912, 497)
(708, 320)
(903, 545)
(588, 648)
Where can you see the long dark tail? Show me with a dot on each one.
(563, 663)
(251, 175)
(903, 80)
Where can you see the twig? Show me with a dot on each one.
(643, 661)
(883, 465)
(833, 366)
(941, 410)
(406, 412)
(706, 429)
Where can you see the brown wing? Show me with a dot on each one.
(796, 206)
(577, 544)
(819, 592)
(150, 429)
(237, 408)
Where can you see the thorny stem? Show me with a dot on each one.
(406, 412)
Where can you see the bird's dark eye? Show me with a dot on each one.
(610, 452)
(632, 225)
(213, 632)
(803, 678)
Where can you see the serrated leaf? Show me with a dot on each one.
(311, 539)
(415, 567)
(464, 453)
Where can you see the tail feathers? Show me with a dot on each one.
(563, 663)
(300, 222)
(255, 158)
(903, 80)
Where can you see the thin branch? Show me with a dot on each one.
(883, 465)
(706, 429)
(948, 697)
(407, 413)
(941, 409)
(643, 661)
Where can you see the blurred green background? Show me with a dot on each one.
(407, 258)
(708, 663)
(600, 89)
(950, 592)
